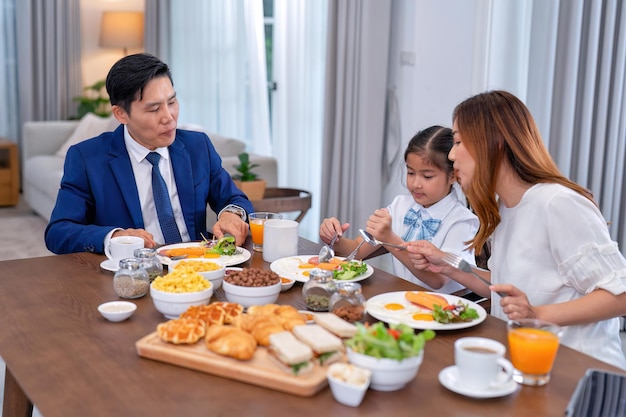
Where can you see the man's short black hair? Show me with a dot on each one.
(128, 77)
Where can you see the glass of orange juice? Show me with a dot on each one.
(533, 345)
(257, 220)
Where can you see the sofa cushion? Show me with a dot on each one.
(44, 172)
(89, 126)
(224, 145)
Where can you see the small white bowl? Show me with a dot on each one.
(387, 374)
(250, 296)
(348, 383)
(117, 310)
(215, 276)
(173, 304)
(286, 283)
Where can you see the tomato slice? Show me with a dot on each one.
(314, 260)
(395, 333)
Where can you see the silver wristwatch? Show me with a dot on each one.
(231, 208)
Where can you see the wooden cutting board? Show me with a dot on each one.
(260, 370)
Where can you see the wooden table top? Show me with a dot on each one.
(69, 361)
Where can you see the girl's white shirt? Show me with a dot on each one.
(555, 246)
(458, 225)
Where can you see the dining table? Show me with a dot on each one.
(64, 357)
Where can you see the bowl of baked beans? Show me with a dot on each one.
(252, 286)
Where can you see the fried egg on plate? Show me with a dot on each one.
(399, 311)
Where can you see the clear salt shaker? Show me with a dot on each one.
(348, 302)
(318, 289)
(150, 262)
(131, 280)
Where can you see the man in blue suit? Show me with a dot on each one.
(107, 185)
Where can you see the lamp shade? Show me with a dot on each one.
(121, 30)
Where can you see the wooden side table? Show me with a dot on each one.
(282, 200)
(9, 174)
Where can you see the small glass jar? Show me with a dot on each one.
(131, 280)
(318, 289)
(150, 262)
(348, 302)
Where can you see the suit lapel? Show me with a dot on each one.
(181, 164)
(122, 170)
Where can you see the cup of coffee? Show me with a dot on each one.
(280, 239)
(481, 363)
(121, 247)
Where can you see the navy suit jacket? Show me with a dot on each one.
(98, 191)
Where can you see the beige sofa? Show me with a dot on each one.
(44, 145)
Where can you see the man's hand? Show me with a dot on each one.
(148, 239)
(231, 223)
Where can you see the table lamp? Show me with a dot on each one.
(121, 30)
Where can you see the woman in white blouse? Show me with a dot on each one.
(551, 252)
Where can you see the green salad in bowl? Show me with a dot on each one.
(393, 354)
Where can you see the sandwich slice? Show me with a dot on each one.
(290, 354)
(335, 324)
(327, 348)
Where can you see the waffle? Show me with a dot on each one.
(211, 314)
(182, 331)
(232, 310)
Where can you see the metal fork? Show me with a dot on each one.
(460, 263)
(353, 253)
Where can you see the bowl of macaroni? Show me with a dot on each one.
(173, 293)
(208, 268)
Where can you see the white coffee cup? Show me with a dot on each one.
(280, 239)
(121, 247)
(480, 362)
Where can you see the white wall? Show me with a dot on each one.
(97, 61)
(442, 37)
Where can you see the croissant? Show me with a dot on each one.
(230, 341)
(261, 327)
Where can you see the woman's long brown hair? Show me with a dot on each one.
(496, 126)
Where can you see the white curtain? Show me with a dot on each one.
(354, 125)
(49, 54)
(297, 104)
(8, 72)
(571, 71)
(217, 57)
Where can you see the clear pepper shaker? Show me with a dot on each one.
(131, 280)
(318, 289)
(150, 262)
(348, 301)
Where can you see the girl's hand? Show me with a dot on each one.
(379, 225)
(331, 227)
(426, 256)
(515, 305)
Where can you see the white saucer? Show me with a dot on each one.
(110, 265)
(449, 378)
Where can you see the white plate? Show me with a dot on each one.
(288, 268)
(110, 265)
(375, 307)
(226, 260)
(449, 378)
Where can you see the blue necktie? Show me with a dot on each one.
(162, 202)
(418, 227)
